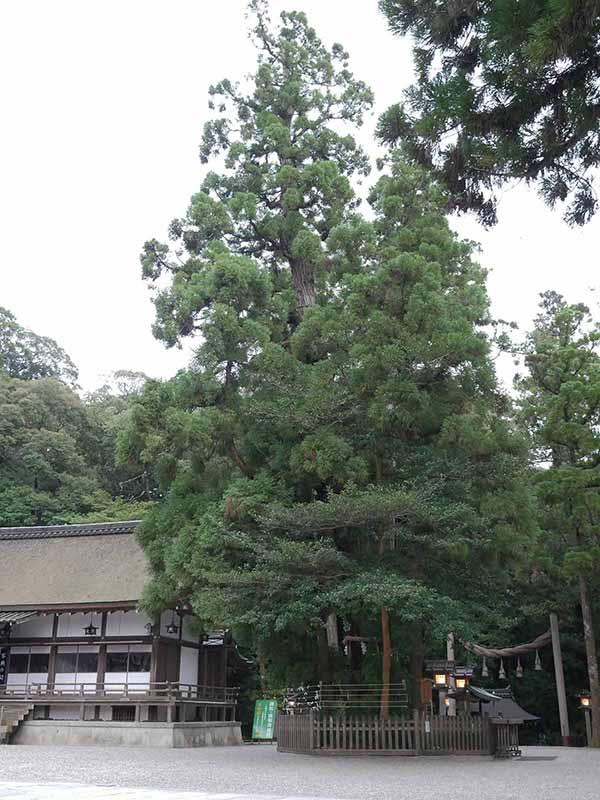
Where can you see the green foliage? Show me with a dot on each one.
(334, 460)
(561, 407)
(57, 455)
(26, 355)
(285, 187)
(43, 473)
(505, 90)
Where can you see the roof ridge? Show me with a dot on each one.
(69, 529)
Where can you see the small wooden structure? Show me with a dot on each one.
(317, 733)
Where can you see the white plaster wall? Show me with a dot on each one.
(127, 623)
(118, 678)
(65, 682)
(36, 626)
(88, 678)
(188, 669)
(73, 624)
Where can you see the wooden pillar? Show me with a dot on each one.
(386, 664)
(101, 674)
(560, 681)
(588, 726)
(155, 671)
(52, 666)
(451, 711)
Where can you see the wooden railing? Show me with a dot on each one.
(146, 693)
(365, 734)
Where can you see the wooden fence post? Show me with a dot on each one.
(491, 733)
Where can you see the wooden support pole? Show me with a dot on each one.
(333, 641)
(560, 681)
(588, 726)
(451, 680)
(386, 664)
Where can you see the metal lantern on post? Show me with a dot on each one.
(585, 703)
(440, 680)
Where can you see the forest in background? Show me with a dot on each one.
(339, 458)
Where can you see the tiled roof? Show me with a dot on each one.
(61, 531)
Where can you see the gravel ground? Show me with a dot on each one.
(258, 772)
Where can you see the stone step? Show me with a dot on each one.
(10, 718)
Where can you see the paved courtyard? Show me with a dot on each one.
(258, 772)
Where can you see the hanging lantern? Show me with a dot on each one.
(519, 671)
(172, 627)
(484, 669)
(91, 629)
(538, 663)
(502, 672)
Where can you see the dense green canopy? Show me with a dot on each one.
(339, 448)
(27, 355)
(560, 403)
(504, 90)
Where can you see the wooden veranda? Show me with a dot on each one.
(178, 701)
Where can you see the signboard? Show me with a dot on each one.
(439, 666)
(463, 672)
(3, 665)
(450, 668)
(265, 712)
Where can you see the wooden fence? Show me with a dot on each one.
(369, 734)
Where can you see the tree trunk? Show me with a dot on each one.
(303, 281)
(324, 660)
(333, 640)
(417, 655)
(592, 659)
(386, 667)
(262, 669)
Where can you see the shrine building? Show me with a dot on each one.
(80, 663)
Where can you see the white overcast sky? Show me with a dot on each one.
(102, 107)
